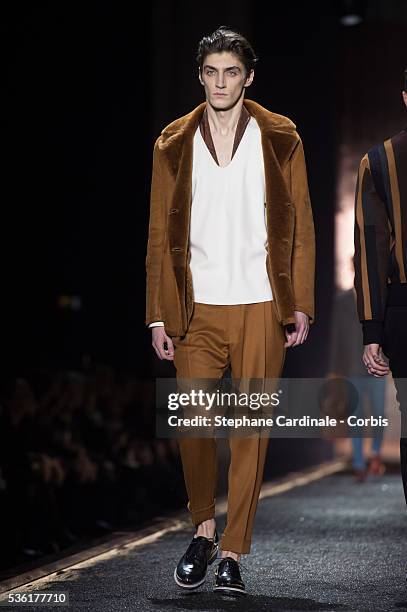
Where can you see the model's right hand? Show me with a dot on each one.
(374, 360)
(159, 337)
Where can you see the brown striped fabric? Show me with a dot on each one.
(380, 232)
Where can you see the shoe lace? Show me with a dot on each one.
(242, 565)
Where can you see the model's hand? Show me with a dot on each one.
(159, 337)
(374, 360)
(301, 330)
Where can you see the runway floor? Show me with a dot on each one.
(330, 544)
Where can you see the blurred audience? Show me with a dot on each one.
(78, 459)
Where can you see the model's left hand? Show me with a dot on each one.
(301, 330)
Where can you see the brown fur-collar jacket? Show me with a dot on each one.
(290, 229)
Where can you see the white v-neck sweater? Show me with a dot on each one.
(228, 231)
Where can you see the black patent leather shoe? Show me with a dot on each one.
(228, 578)
(191, 570)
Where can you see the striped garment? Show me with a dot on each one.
(380, 232)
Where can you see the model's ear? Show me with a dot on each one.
(249, 78)
(200, 76)
(405, 97)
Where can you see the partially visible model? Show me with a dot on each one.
(381, 265)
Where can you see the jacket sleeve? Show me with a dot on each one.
(156, 241)
(303, 257)
(372, 249)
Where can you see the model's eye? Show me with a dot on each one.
(232, 73)
(209, 72)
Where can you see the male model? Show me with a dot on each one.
(381, 266)
(230, 276)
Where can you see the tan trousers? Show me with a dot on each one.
(249, 339)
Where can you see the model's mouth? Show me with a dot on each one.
(219, 94)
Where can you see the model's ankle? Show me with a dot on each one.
(206, 528)
(230, 553)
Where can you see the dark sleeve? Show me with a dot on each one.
(372, 249)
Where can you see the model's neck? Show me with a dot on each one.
(224, 122)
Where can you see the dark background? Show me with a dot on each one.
(88, 87)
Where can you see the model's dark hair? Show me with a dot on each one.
(226, 39)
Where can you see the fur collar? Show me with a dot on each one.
(278, 129)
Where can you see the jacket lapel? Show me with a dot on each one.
(279, 138)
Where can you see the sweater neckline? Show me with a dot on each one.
(223, 168)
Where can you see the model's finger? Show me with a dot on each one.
(166, 351)
(300, 334)
(170, 346)
(291, 339)
(375, 369)
(304, 334)
(375, 363)
(157, 351)
(379, 367)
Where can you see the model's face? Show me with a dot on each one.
(405, 97)
(224, 79)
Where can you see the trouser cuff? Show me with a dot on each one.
(236, 545)
(203, 514)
